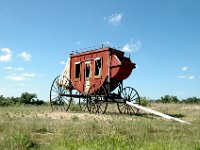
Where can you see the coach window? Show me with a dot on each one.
(77, 70)
(87, 70)
(98, 67)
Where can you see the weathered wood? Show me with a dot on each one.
(156, 113)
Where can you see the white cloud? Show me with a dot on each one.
(182, 77)
(191, 77)
(16, 78)
(7, 54)
(21, 77)
(184, 68)
(188, 77)
(28, 75)
(8, 68)
(16, 69)
(25, 56)
(62, 62)
(132, 46)
(114, 18)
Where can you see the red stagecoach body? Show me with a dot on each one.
(91, 77)
(94, 67)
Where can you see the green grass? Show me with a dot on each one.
(32, 127)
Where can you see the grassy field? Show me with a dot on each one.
(31, 127)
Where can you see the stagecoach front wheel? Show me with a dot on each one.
(97, 99)
(57, 100)
(82, 102)
(131, 95)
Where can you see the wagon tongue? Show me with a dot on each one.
(151, 111)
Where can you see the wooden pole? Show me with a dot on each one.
(156, 113)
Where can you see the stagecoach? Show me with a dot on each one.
(94, 79)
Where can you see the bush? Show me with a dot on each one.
(192, 100)
(74, 106)
(144, 101)
(168, 99)
(26, 98)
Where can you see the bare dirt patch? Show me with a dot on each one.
(70, 116)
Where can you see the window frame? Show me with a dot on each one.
(75, 69)
(88, 78)
(96, 59)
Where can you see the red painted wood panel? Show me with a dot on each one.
(120, 68)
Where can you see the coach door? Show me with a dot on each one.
(87, 76)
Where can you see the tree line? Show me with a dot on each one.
(170, 99)
(174, 99)
(31, 99)
(25, 99)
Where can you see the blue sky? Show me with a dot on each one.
(162, 38)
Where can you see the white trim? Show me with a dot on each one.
(117, 59)
(98, 58)
(77, 62)
(65, 76)
(88, 62)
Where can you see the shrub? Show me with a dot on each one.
(192, 100)
(144, 101)
(168, 99)
(74, 106)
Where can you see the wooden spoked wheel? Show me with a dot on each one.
(57, 100)
(131, 95)
(82, 102)
(97, 100)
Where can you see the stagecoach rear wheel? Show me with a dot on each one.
(131, 95)
(97, 100)
(57, 100)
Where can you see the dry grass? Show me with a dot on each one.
(31, 127)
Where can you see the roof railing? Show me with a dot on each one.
(93, 48)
